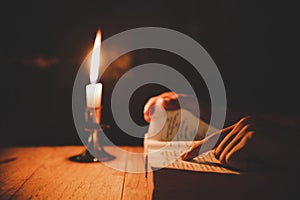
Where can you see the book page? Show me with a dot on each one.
(177, 125)
(166, 154)
(203, 163)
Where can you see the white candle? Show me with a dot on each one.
(93, 95)
(94, 90)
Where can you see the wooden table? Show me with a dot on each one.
(46, 173)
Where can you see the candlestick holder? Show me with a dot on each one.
(94, 151)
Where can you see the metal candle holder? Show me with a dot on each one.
(94, 151)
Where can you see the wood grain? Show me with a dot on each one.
(18, 165)
(135, 185)
(46, 173)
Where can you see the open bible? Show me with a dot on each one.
(170, 134)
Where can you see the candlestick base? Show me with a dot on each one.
(94, 151)
(87, 157)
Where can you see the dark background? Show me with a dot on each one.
(43, 44)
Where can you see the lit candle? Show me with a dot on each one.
(94, 90)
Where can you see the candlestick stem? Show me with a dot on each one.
(94, 151)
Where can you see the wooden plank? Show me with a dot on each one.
(59, 178)
(17, 165)
(135, 185)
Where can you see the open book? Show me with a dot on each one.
(172, 133)
(169, 177)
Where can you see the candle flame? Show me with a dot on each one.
(95, 61)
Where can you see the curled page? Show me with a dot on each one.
(177, 125)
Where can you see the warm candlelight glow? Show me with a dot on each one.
(95, 61)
